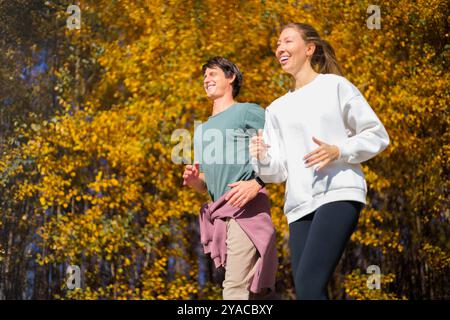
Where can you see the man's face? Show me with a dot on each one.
(216, 84)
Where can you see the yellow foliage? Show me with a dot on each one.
(101, 179)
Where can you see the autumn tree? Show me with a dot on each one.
(94, 183)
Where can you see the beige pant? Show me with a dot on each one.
(240, 264)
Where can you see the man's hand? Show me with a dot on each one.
(242, 192)
(192, 177)
(257, 147)
(324, 154)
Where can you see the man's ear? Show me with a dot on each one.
(230, 80)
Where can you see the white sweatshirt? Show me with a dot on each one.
(334, 111)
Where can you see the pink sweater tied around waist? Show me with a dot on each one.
(254, 219)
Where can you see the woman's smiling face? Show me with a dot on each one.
(292, 51)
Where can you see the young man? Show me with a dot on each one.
(235, 228)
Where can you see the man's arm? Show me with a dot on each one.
(199, 185)
(242, 192)
(193, 178)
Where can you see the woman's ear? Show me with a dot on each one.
(310, 48)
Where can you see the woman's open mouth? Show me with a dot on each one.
(284, 59)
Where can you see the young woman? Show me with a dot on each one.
(315, 137)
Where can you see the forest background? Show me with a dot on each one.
(87, 116)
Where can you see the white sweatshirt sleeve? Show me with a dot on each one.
(367, 135)
(271, 169)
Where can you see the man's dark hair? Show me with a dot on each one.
(229, 68)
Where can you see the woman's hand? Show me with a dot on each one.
(257, 147)
(324, 154)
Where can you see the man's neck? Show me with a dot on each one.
(222, 103)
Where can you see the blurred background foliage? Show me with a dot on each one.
(86, 176)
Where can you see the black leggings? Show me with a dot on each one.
(317, 242)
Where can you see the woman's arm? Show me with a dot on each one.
(270, 168)
(368, 135)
